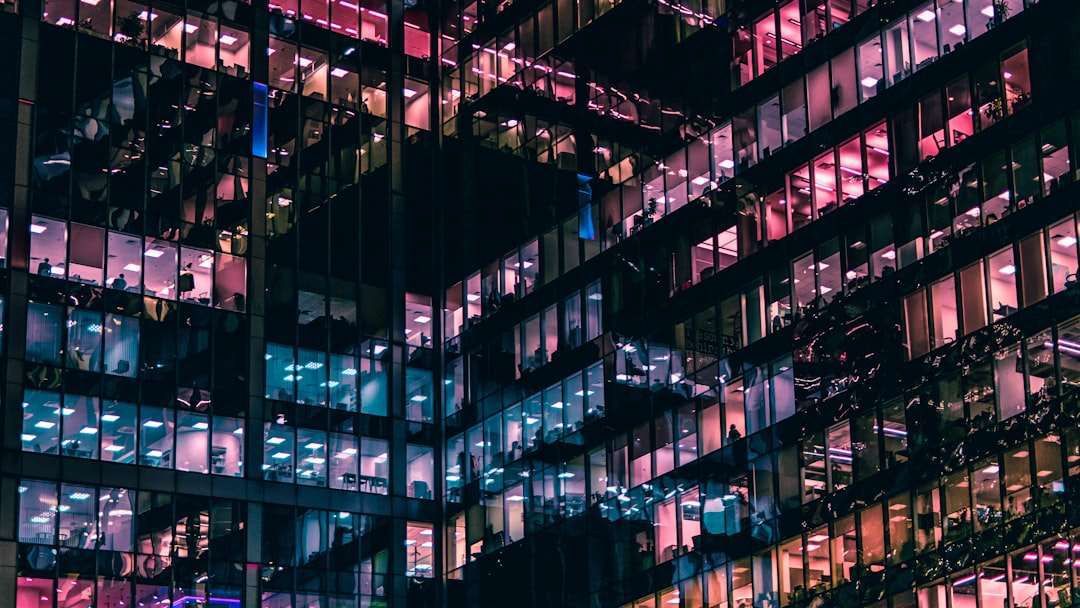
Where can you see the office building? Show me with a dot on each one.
(636, 304)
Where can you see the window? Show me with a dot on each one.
(765, 47)
(924, 34)
(1063, 253)
(160, 269)
(156, 427)
(594, 300)
(1003, 298)
(121, 353)
(973, 297)
(374, 465)
(819, 94)
(845, 94)
(37, 512)
(951, 26)
(1009, 382)
(41, 422)
(915, 319)
(118, 424)
(793, 104)
(124, 262)
(420, 472)
(871, 68)
(310, 457)
(79, 421)
(48, 246)
(227, 447)
(192, 442)
(945, 328)
(1017, 80)
(418, 549)
(87, 262)
(769, 127)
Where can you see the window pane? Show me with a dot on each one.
(277, 452)
(196, 269)
(156, 428)
(1063, 256)
(420, 471)
(310, 457)
(192, 441)
(118, 432)
(344, 456)
(1003, 300)
(79, 418)
(125, 262)
(121, 345)
(37, 512)
(87, 254)
(374, 465)
(48, 246)
(41, 422)
(159, 265)
(227, 447)
(871, 68)
(43, 333)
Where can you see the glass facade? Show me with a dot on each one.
(585, 303)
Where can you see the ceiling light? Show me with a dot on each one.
(338, 72)
(988, 10)
(154, 253)
(109, 417)
(44, 424)
(227, 39)
(191, 28)
(422, 319)
(1008, 269)
(409, 93)
(152, 424)
(1066, 241)
(132, 267)
(958, 30)
(304, 62)
(926, 16)
(37, 228)
(869, 82)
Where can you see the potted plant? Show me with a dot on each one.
(131, 28)
(1001, 13)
